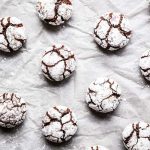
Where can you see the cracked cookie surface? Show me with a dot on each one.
(98, 147)
(136, 136)
(12, 34)
(145, 64)
(58, 63)
(12, 110)
(103, 95)
(112, 31)
(59, 124)
(54, 12)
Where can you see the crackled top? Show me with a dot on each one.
(12, 34)
(58, 62)
(98, 147)
(54, 12)
(112, 31)
(145, 64)
(59, 124)
(136, 136)
(103, 95)
(12, 110)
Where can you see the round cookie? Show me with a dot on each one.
(98, 147)
(136, 136)
(145, 64)
(12, 34)
(54, 12)
(59, 124)
(103, 95)
(112, 31)
(12, 110)
(58, 63)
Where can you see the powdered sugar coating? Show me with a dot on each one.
(112, 31)
(54, 12)
(103, 95)
(98, 147)
(58, 62)
(136, 136)
(12, 110)
(12, 34)
(145, 64)
(59, 124)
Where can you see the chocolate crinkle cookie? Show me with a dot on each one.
(58, 63)
(112, 31)
(103, 95)
(59, 124)
(12, 34)
(54, 12)
(136, 136)
(12, 110)
(98, 147)
(145, 64)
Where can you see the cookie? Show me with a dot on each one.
(54, 12)
(136, 136)
(145, 64)
(58, 63)
(112, 31)
(12, 34)
(12, 110)
(59, 124)
(98, 147)
(103, 95)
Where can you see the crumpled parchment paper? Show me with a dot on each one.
(21, 73)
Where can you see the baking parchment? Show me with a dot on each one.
(21, 73)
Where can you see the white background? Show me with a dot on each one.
(21, 73)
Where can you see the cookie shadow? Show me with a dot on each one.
(60, 83)
(108, 52)
(10, 54)
(9, 131)
(122, 144)
(149, 8)
(108, 115)
(14, 53)
(144, 80)
(54, 28)
(58, 145)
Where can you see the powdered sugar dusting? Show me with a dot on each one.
(112, 31)
(59, 124)
(12, 110)
(136, 136)
(58, 62)
(12, 34)
(103, 95)
(54, 12)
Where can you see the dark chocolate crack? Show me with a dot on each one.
(92, 148)
(144, 56)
